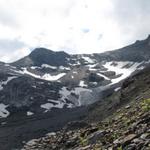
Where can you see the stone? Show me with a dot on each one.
(116, 141)
(128, 106)
(136, 140)
(85, 148)
(128, 139)
(145, 135)
(96, 136)
(51, 134)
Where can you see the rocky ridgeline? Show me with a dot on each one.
(127, 129)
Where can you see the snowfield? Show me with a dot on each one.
(120, 69)
(46, 76)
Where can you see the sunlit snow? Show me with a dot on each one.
(52, 78)
(117, 89)
(120, 68)
(48, 106)
(29, 113)
(106, 78)
(88, 59)
(82, 84)
(48, 66)
(46, 76)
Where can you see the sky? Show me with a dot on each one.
(74, 26)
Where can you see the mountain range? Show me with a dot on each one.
(45, 90)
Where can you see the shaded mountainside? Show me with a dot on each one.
(43, 56)
(138, 51)
(37, 88)
(135, 88)
(127, 128)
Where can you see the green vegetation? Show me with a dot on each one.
(83, 141)
(119, 148)
(146, 104)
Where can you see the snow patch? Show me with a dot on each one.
(117, 89)
(120, 68)
(82, 84)
(3, 112)
(64, 68)
(48, 66)
(91, 67)
(88, 59)
(46, 76)
(64, 93)
(106, 78)
(48, 106)
(29, 113)
(34, 67)
(75, 72)
(52, 78)
(5, 82)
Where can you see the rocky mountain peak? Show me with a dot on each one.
(45, 56)
(44, 51)
(41, 56)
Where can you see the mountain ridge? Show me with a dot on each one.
(36, 89)
(139, 45)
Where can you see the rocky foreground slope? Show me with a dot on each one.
(127, 129)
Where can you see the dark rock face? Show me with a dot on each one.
(41, 56)
(95, 78)
(135, 52)
(29, 92)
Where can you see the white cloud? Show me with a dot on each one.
(76, 26)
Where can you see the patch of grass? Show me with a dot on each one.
(120, 148)
(83, 141)
(146, 105)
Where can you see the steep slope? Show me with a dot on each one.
(135, 88)
(128, 128)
